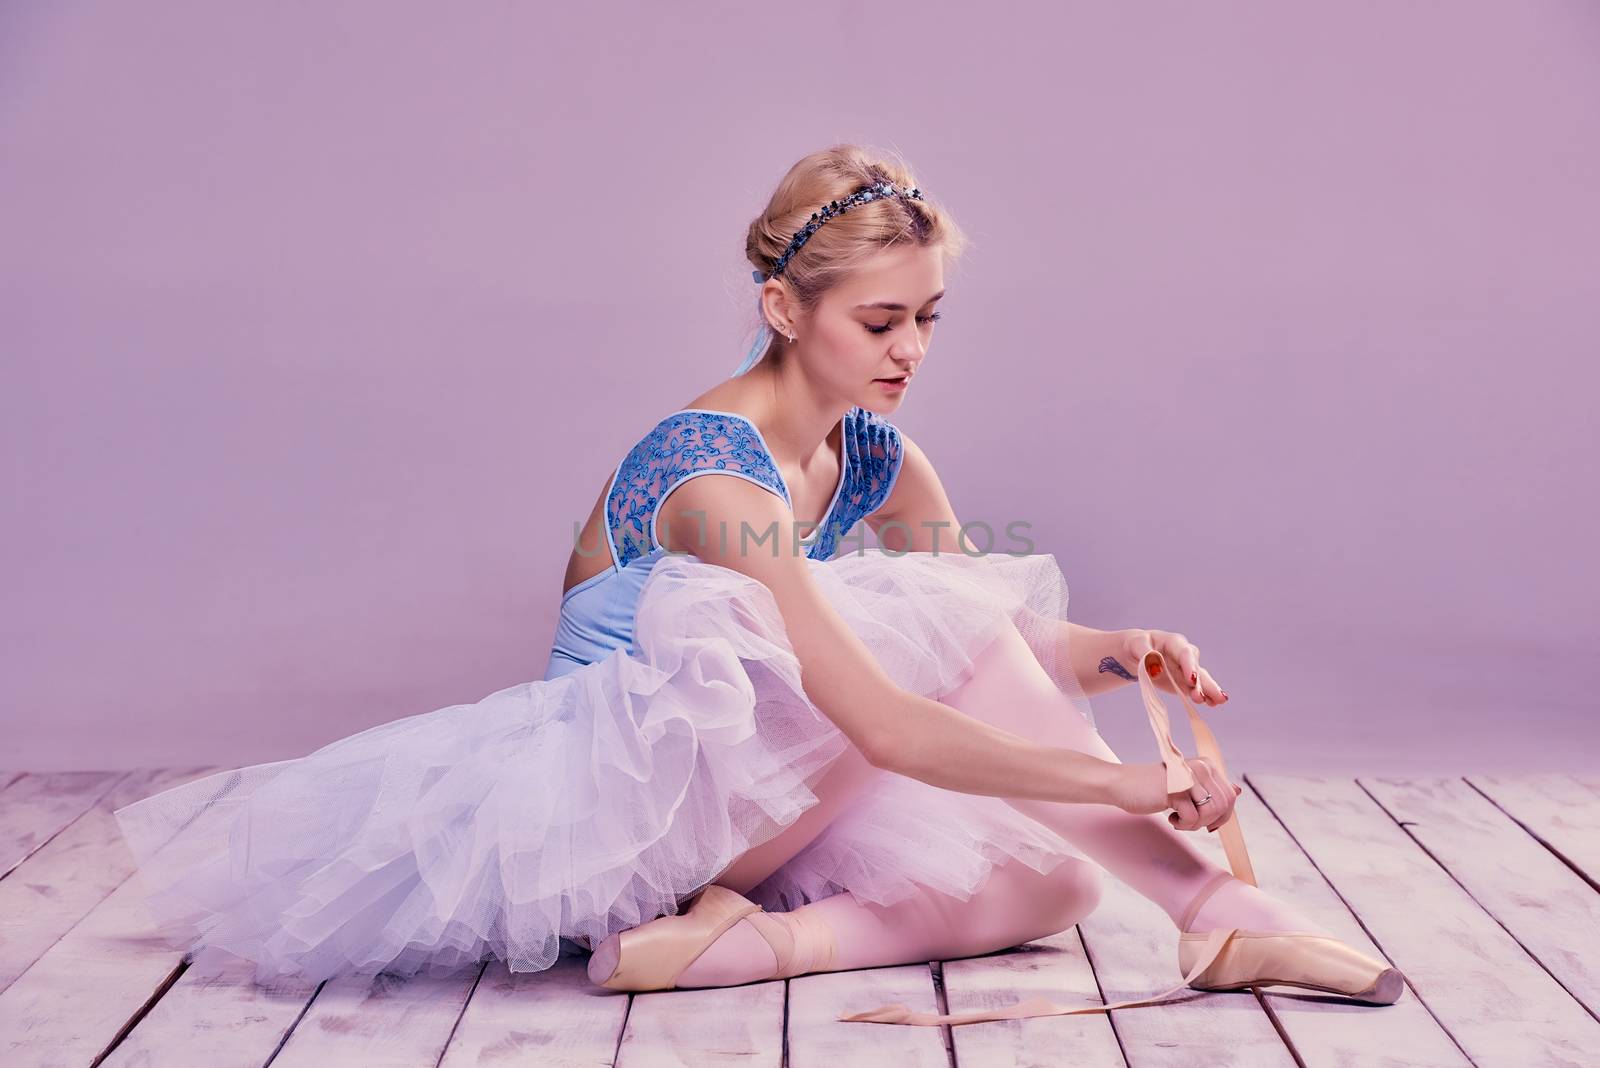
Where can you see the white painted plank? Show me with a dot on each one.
(1542, 902)
(76, 999)
(1319, 1025)
(36, 807)
(381, 1021)
(819, 1039)
(555, 1018)
(705, 1028)
(1133, 947)
(214, 1015)
(1054, 968)
(1498, 1004)
(1560, 811)
(56, 887)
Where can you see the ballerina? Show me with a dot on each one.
(758, 749)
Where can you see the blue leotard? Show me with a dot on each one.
(597, 614)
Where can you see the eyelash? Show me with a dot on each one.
(935, 317)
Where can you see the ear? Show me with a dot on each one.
(777, 306)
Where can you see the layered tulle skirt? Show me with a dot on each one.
(550, 814)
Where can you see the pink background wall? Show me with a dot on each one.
(323, 323)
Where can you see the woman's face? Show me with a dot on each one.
(876, 326)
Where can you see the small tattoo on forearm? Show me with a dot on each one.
(1109, 663)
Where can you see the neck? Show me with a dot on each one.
(796, 417)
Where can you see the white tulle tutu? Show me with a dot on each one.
(551, 814)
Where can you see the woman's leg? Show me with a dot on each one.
(846, 779)
(1009, 689)
(1015, 905)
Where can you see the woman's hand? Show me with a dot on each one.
(1177, 652)
(1142, 789)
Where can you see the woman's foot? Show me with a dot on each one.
(1236, 936)
(603, 961)
(1236, 903)
(741, 955)
(722, 940)
(653, 955)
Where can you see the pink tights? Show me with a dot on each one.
(1017, 904)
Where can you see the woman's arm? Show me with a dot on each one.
(894, 728)
(919, 518)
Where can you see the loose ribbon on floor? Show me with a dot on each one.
(1179, 779)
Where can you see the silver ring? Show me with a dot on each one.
(1203, 800)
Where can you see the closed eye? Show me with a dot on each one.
(935, 317)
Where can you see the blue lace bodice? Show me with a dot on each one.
(597, 614)
(699, 441)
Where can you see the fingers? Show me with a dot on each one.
(1140, 646)
(1203, 689)
(1188, 814)
(1187, 655)
(1211, 693)
(1214, 810)
(1185, 816)
(1227, 796)
(1159, 664)
(1223, 798)
(1237, 792)
(1182, 659)
(1181, 663)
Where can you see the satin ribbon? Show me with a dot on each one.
(763, 335)
(1179, 779)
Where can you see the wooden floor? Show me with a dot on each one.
(1482, 889)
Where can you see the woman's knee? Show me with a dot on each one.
(846, 780)
(1009, 689)
(1021, 904)
(1074, 888)
(1057, 899)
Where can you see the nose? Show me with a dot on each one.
(909, 348)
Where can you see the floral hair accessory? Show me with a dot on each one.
(832, 208)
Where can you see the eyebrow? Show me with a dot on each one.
(889, 305)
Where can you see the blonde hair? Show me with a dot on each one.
(844, 242)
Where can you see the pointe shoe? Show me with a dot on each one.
(653, 955)
(1233, 959)
(1308, 959)
(1220, 959)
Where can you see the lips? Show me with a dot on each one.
(896, 378)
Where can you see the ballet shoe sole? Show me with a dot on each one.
(1385, 990)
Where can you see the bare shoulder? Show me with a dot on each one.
(722, 396)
